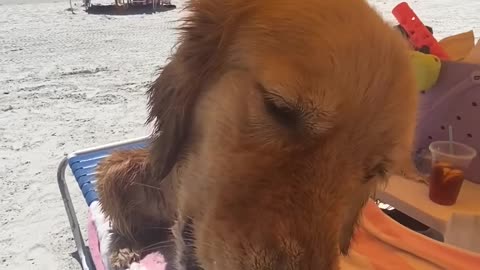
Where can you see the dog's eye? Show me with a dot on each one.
(283, 112)
(379, 170)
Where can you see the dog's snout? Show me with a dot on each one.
(291, 250)
(294, 257)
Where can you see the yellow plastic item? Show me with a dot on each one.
(426, 68)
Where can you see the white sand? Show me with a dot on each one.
(73, 81)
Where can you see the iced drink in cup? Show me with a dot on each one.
(449, 161)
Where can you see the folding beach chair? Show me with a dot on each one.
(388, 240)
(82, 164)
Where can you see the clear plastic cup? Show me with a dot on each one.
(449, 161)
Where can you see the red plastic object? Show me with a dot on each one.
(419, 35)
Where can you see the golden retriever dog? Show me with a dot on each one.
(274, 121)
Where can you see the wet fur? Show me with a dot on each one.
(275, 121)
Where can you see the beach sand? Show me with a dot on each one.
(70, 81)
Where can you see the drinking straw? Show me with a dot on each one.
(450, 138)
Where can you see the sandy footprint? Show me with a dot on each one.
(39, 257)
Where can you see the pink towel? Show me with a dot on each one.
(93, 242)
(380, 244)
(152, 261)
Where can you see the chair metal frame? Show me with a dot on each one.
(86, 260)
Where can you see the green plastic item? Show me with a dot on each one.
(427, 69)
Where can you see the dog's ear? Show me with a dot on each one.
(164, 105)
(199, 60)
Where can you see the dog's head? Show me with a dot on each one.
(279, 116)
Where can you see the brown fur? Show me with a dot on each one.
(276, 119)
(137, 205)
